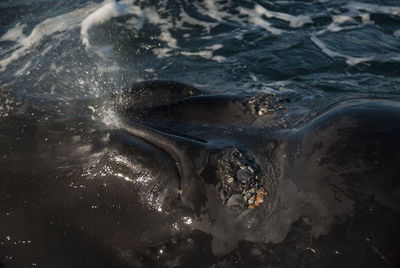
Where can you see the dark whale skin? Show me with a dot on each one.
(144, 192)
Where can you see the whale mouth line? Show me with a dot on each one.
(179, 146)
(174, 133)
(240, 179)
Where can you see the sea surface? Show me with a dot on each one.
(315, 52)
(319, 51)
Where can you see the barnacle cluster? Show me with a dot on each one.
(238, 173)
(265, 104)
(7, 102)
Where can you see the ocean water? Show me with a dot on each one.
(315, 52)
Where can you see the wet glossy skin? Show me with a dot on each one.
(143, 191)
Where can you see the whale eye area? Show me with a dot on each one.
(239, 174)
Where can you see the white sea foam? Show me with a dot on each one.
(336, 27)
(357, 6)
(342, 18)
(208, 53)
(58, 28)
(365, 18)
(46, 28)
(205, 53)
(354, 9)
(349, 17)
(350, 60)
(93, 15)
(253, 77)
(213, 11)
(173, 48)
(165, 25)
(294, 21)
(256, 16)
(46, 50)
(103, 14)
(162, 52)
(14, 34)
(22, 70)
(210, 8)
(185, 18)
(85, 18)
(256, 19)
(109, 10)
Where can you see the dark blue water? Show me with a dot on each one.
(315, 52)
(318, 50)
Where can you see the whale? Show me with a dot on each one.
(162, 174)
